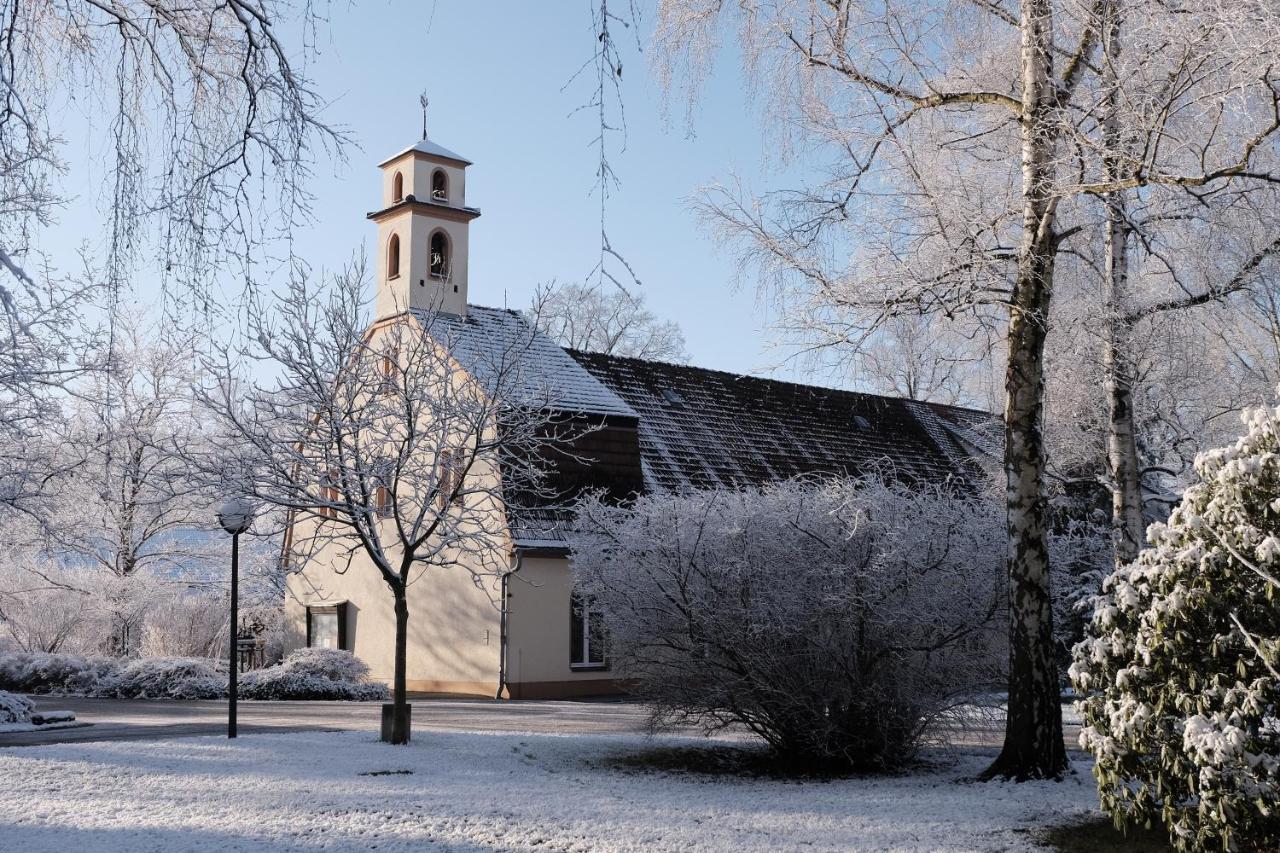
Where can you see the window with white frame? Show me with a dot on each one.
(325, 626)
(586, 635)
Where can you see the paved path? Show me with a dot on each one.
(150, 718)
(116, 719)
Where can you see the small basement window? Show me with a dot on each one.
(327, 626)
(586, 635)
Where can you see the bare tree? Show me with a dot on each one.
(926, 359)
(615, 322)
(965, 161)
(207, 124)
(39, 610)
(395, 447)
(127, 508)
(1147, 273)
(840, 621)
(206, 114)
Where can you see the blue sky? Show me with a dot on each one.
(496, 79)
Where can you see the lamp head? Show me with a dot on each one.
(236, 515)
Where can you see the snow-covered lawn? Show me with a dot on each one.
(473, 792)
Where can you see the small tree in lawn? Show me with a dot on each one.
(395, 442)
(1180, 671)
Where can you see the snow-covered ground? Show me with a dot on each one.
(7, 728)
(473, 792)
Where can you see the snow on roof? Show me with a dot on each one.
(488, 336)
(426, 146)
(704, 428)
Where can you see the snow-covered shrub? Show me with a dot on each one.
(164, 678)
(151, 678)
(182, 623)
(313, 674)
(1179, 671)
(40, 672)
(15, 709)
(837, 620)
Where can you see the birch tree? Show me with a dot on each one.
(966, 151)
(394, 447)
(1146, 273)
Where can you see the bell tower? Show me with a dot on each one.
(422, 231)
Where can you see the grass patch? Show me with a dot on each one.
(752, 762)
(1099, 835)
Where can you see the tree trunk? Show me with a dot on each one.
(1122, 442)
(1122, 449)
(399, 699)
(1033, 747)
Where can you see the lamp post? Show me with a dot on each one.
(235, 516)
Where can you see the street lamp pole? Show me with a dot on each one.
(235, 516)
(232, 686)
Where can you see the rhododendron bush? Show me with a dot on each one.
(1178, 671)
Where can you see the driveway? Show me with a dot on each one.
(115, 719)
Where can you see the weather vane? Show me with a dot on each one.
(422, 99)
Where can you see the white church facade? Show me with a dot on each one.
(661, 427)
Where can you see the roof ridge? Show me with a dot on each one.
(767, 379)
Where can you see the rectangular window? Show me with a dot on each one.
(382, 501)
(449, 476)
(390, 370)
(587, 636)
(329, 494)
(326, 626)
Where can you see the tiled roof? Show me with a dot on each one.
(669, 427)
(706, 428)
(489, 338)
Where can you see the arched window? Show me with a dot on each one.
(439, 255)
(439, 185)
(393, 256)
(397, 187)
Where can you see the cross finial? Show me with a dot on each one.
(422, 99)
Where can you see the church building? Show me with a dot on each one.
(664, 427)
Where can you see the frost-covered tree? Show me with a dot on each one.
(837, 619)
(39, 610)
(202, 112)
(930, 359)
(398, 443)
(1179, 674)
(202, 125)
(128, 515)
(966, 151)
(612, 321)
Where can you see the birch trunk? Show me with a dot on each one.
(1033, 746)
(1122, 441)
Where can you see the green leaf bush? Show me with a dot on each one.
(1178, 670)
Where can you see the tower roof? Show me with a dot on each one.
(432, 149)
